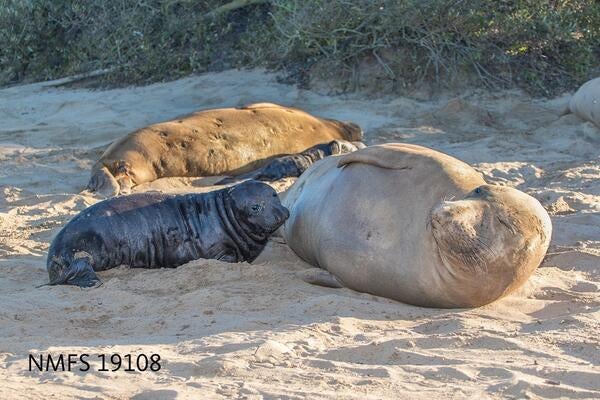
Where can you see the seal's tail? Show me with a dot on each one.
(78, 272)
(103, 182)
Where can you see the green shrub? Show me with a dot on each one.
(544, 46)
(138, 40)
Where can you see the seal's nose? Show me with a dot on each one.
(282, 214)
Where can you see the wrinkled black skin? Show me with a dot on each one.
(154, 230)
(294, 165)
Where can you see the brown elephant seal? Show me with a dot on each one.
(415, 225)
(226, 141)
(585, 103)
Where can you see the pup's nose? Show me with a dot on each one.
(284, 213)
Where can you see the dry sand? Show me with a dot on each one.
(257, 331)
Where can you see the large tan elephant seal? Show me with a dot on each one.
(226, 141)
(585, 103)
(415, 225)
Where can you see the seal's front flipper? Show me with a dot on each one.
(79, 273)
(320, 277)
(103, 182)
(233, 179)
(274, 170)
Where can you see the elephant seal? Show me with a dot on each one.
(585, 103)
(154, 230)
(415, 225)
(294, 165)
(226, 141)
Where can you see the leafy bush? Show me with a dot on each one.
(138, 40)
(544, 46)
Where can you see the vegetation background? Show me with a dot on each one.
(542, 46)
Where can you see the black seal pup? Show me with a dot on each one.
(294, 165)
(154, 230)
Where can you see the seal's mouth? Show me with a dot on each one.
(459, 231)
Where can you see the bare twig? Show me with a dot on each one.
(234, 5)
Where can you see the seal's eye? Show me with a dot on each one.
(256, 208)
(478, 190)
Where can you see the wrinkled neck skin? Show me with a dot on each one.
(444, 277)
(249, 241)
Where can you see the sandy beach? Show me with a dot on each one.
(258, 331)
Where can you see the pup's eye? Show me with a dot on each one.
(478, 190)
(256, 208)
